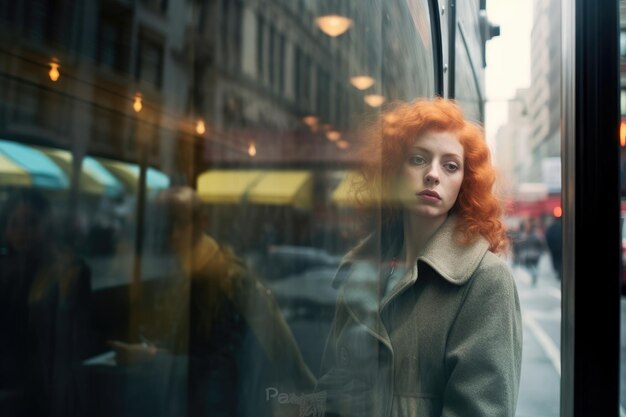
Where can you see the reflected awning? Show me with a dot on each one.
(283, 188)
(41, 170)
(11, 174)
(225, 186)
(344, 194)
(128, 174)
(94, 178)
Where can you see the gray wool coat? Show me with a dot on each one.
(445, 341)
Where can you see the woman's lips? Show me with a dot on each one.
(430, 195)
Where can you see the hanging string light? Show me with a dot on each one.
(137, 104)
(54, 73)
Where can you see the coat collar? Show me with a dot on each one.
(453, 261)
(361, 271)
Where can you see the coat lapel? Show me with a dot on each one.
(361, 295)
(453, 261)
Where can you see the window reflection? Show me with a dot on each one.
(176, 130)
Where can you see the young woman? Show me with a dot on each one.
(428, 318)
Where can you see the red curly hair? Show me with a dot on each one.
(388, 140)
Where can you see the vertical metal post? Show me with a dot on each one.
(590, 331)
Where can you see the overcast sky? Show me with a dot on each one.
(508, 58)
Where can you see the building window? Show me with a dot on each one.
(260, 47)
(281, 63)
(302, 79)
(114, 42)
(272, 56)
(150, 60)
(322, 94)
(622, 43)
(230, 30)
(622, 101)
(156, 5)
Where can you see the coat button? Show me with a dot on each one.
(344, 356)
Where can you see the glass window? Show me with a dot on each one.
(179, 189)
(150, 60)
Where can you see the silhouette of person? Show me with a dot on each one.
(44, 312)
(554, 240)
(428, 319)
(531, 246)
(218, 316)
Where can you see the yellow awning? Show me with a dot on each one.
(283, 188)
(11, 174)
(225, 186)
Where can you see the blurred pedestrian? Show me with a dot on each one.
(44, 313)
(531, 247)
(218, 316)
(554, 240)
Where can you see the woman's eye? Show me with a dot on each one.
(416, 160)
(451, 167)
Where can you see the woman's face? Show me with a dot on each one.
(431, 175)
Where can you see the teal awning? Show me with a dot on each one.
(43, 172)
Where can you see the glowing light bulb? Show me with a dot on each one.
(200, 127)
(342, 144)
(310, 120)
(333, 25)
(251, 150)
(54, 73)
(374, 100)
(333, 135)
(362, 82)
(137, 104)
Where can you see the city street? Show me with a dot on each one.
(541, 364)
(541, 315)
(541, 310)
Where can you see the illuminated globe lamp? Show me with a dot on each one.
(342, 144)
(333, 25)
(137, 103)
(252, 150)
(310, 120)
(374, 100)
(200, 127)
(362, 82)
(333, 135)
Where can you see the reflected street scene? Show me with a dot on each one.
(280, 208)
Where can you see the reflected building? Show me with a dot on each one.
(513, 150)
(268, 76)
(622, 67)
(544, 104)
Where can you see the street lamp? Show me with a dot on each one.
(333, 25)
(362, 82)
